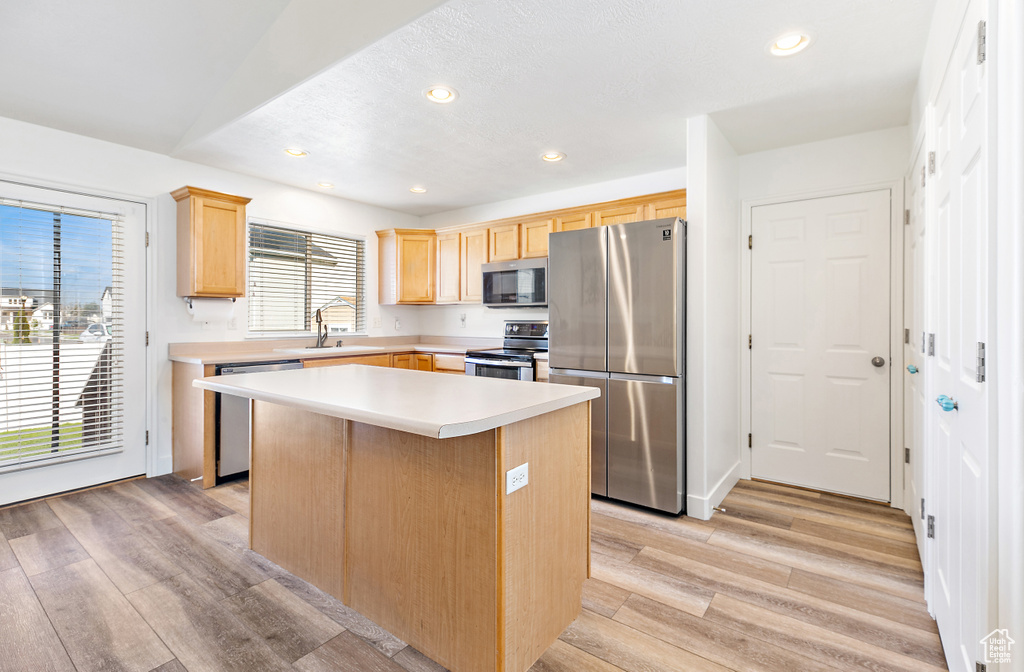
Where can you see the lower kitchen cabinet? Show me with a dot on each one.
(450, 364)
(368, 360)
(413, 360)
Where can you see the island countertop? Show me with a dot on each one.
(420, 402)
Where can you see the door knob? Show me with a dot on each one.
(946, 403)
(911, 368)
(877, 361)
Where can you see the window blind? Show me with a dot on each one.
(61, 333)
(294, 273)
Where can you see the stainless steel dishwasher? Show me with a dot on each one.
(233, 415)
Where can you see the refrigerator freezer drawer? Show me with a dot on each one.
(598, 423)
(645, 441)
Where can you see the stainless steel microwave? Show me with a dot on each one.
(516, 284)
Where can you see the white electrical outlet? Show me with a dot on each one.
(517, 478)
(376, 321)
(398, 324)
(462, 319)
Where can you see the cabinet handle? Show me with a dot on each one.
(911, 368)
(946, 403)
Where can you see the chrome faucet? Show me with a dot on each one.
(321, 330)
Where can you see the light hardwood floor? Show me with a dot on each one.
(156, 575)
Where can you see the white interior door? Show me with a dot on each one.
(820, 360)
(959, 279)
(84, 394)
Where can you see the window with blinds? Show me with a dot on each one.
(61, 333)
(293, 273)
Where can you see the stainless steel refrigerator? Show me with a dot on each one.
(616, 297)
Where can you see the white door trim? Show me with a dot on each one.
(896, 320)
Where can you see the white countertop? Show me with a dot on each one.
(275, 353)
(420, 402)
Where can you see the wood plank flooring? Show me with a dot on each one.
(157, 575)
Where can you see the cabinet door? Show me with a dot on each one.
(402, 361)
(220, 248)
(449, 363)
(504, 242)
(424, 361)
(474, 255)
(582, 220)
(368, 360)
(416, 253)
(534, 237)
(622, 215)
(668, 207)
(448, 267)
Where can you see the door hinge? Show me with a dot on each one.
(981, 362)
(922, 176)
(750, 242)
(906, 336)
(750, 440)
(750, 341)
(147, 238)
(931, 345)
(931, 527)
(931, 163)
(906, 455)
(147, 338)
(147, 437)
(922, 508)
(982, 38)
(980, 667)
(906, 218)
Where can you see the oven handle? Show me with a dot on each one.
(495, 362)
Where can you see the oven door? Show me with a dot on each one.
(499, 368)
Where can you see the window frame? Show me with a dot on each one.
(316, 231)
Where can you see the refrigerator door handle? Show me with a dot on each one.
(579, 373)
(664, 380)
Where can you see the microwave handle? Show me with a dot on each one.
(495, 362)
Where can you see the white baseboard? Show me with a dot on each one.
(702, 507)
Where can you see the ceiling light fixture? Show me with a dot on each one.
(325, 185)
(441, 94)
(789, 44)
(418, 190)
(552, 156)
(295, 151)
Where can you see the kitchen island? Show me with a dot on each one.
(387, 488)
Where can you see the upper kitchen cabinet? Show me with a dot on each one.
(504, 242)
(211, 243)
(667, 207)
(534, 237)
(619, 215)
(407, 266)
(474, 255)
(449, 251)
(573, 221)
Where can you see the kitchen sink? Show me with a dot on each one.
(333, 350)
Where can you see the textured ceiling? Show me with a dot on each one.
(230, 83)
(608, 82)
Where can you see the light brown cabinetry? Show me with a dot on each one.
(543, 370)
(413, 360)
(619, 215)
(504, 242)
(449, 251)
(449, 363)
(406, 266)
(667, 207)
(474, 255)
(368, 360)
(573, 221)
(211, 243)
(534, 237)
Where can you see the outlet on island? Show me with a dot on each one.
(517, 478)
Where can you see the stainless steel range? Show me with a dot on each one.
(514, 361)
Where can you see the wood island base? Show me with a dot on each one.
(417, 534)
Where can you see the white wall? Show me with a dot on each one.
(46, 157)
(487, 322)
(852, 160)
(712, 316)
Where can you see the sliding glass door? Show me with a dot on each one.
(72, 341)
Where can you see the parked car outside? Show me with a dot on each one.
(96, 332)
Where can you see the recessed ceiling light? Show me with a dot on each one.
(553, 156)
(295, 151)
(441, 94)
(789, 44)
(418, 190)
(325, 185)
